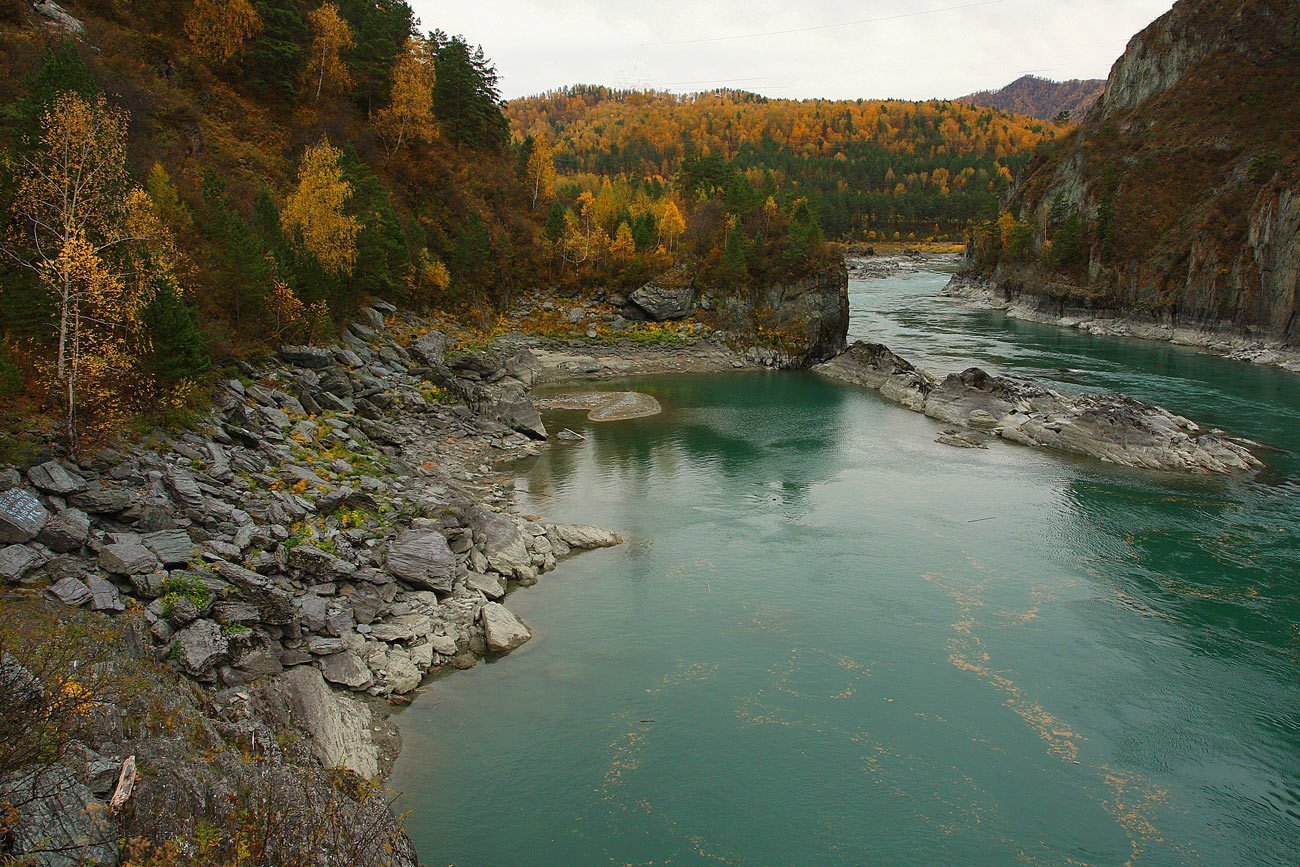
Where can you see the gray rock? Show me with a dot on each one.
(103, 595)
(276, 605)
(66, 531)
(52, 478)
(103, 500)
(431, 348)
(667, 297)
(315, 612)
(338, 728)
(583, 537)
(502, 542)
(310, 357)
(260, 660)
(423, 560)
(346, 669)
(504, 632)
(320, 646)
(171, 547)
(61, 823)
(406, 627)
(70, 591)
(185, 489)
(491, 586)
(310, 560)
(18, 561)
(1113, 428)
(201, 647)
(127, 558)
(22, 517)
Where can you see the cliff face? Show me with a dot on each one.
(787, 325)
(1179, 197)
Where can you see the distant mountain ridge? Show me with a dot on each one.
(1041, 97)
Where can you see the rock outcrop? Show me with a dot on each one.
(335, 530)
(1109, 427)
(787, 325)
(1177, 203)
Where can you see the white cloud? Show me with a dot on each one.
(538, 45)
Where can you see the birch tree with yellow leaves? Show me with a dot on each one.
(331, 37)
(315, 212)
(76, 219)
(409, 115)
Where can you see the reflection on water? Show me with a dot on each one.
(830, 640)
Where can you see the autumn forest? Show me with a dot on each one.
(194, 188)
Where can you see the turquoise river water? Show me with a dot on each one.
(830, 640)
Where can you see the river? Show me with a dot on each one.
(830, 640)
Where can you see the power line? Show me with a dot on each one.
(825, 26)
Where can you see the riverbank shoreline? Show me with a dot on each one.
(1232, 345)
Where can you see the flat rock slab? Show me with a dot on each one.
(22, 517)
(605, 405)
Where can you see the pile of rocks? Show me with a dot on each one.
(337, 514)
(1110, 427)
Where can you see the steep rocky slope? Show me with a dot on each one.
(1177, 204)
(1041, 97)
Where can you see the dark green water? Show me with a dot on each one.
(830, 640)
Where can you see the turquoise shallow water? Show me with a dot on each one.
(829, 640)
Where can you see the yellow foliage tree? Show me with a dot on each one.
(220, 29)
(409, 115)
(672, 225)
(541, 173)
(1006, 225)
(623, 247)
(75, 213)
(331, 36)
(315, 211)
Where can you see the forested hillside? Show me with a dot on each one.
(188, 184)
(870, 169)
(1042, 98)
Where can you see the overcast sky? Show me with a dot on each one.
(909, 49)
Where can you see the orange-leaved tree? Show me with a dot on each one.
(315, 212)
(331, 37)
(220, 29)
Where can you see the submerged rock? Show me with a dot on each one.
(605, 405)
(1113, 428)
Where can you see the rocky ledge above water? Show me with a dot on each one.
(332, 534)
(1113, 428)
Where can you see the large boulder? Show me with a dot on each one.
(583, 537)
(310, 357)
(52, 478)
(127, 558)
(423, 560)
(171, 547)
(346, 669)
(67, 532)
(431, 348)
(504, 632)
(22, 517)
(338, 727)
(18, 561)
(275, 605)
(201, 647)
(669, 296)
(502, 542)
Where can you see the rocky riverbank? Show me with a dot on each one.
(1109, 427)
(1229, 340)
(329, 537)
